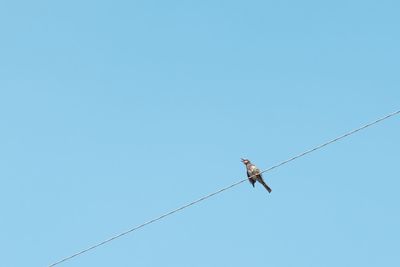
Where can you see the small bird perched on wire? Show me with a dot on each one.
(254, 174)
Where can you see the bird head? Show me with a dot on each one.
(245, 161)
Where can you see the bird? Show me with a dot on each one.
(254, 174)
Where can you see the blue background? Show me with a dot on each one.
(114, 112)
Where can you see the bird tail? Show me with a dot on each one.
(266, 186)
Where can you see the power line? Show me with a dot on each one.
(224, 189)
(332, 141)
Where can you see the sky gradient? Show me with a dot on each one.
(114, 112)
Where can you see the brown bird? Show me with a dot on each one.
(254, 174)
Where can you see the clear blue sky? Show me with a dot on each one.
(113, 112)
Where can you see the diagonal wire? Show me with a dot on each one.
(332, 141)
(224, 189)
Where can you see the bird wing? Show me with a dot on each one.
(251, 180)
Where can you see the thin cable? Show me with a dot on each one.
(146, 223)
(332, 141)
(224, 189)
